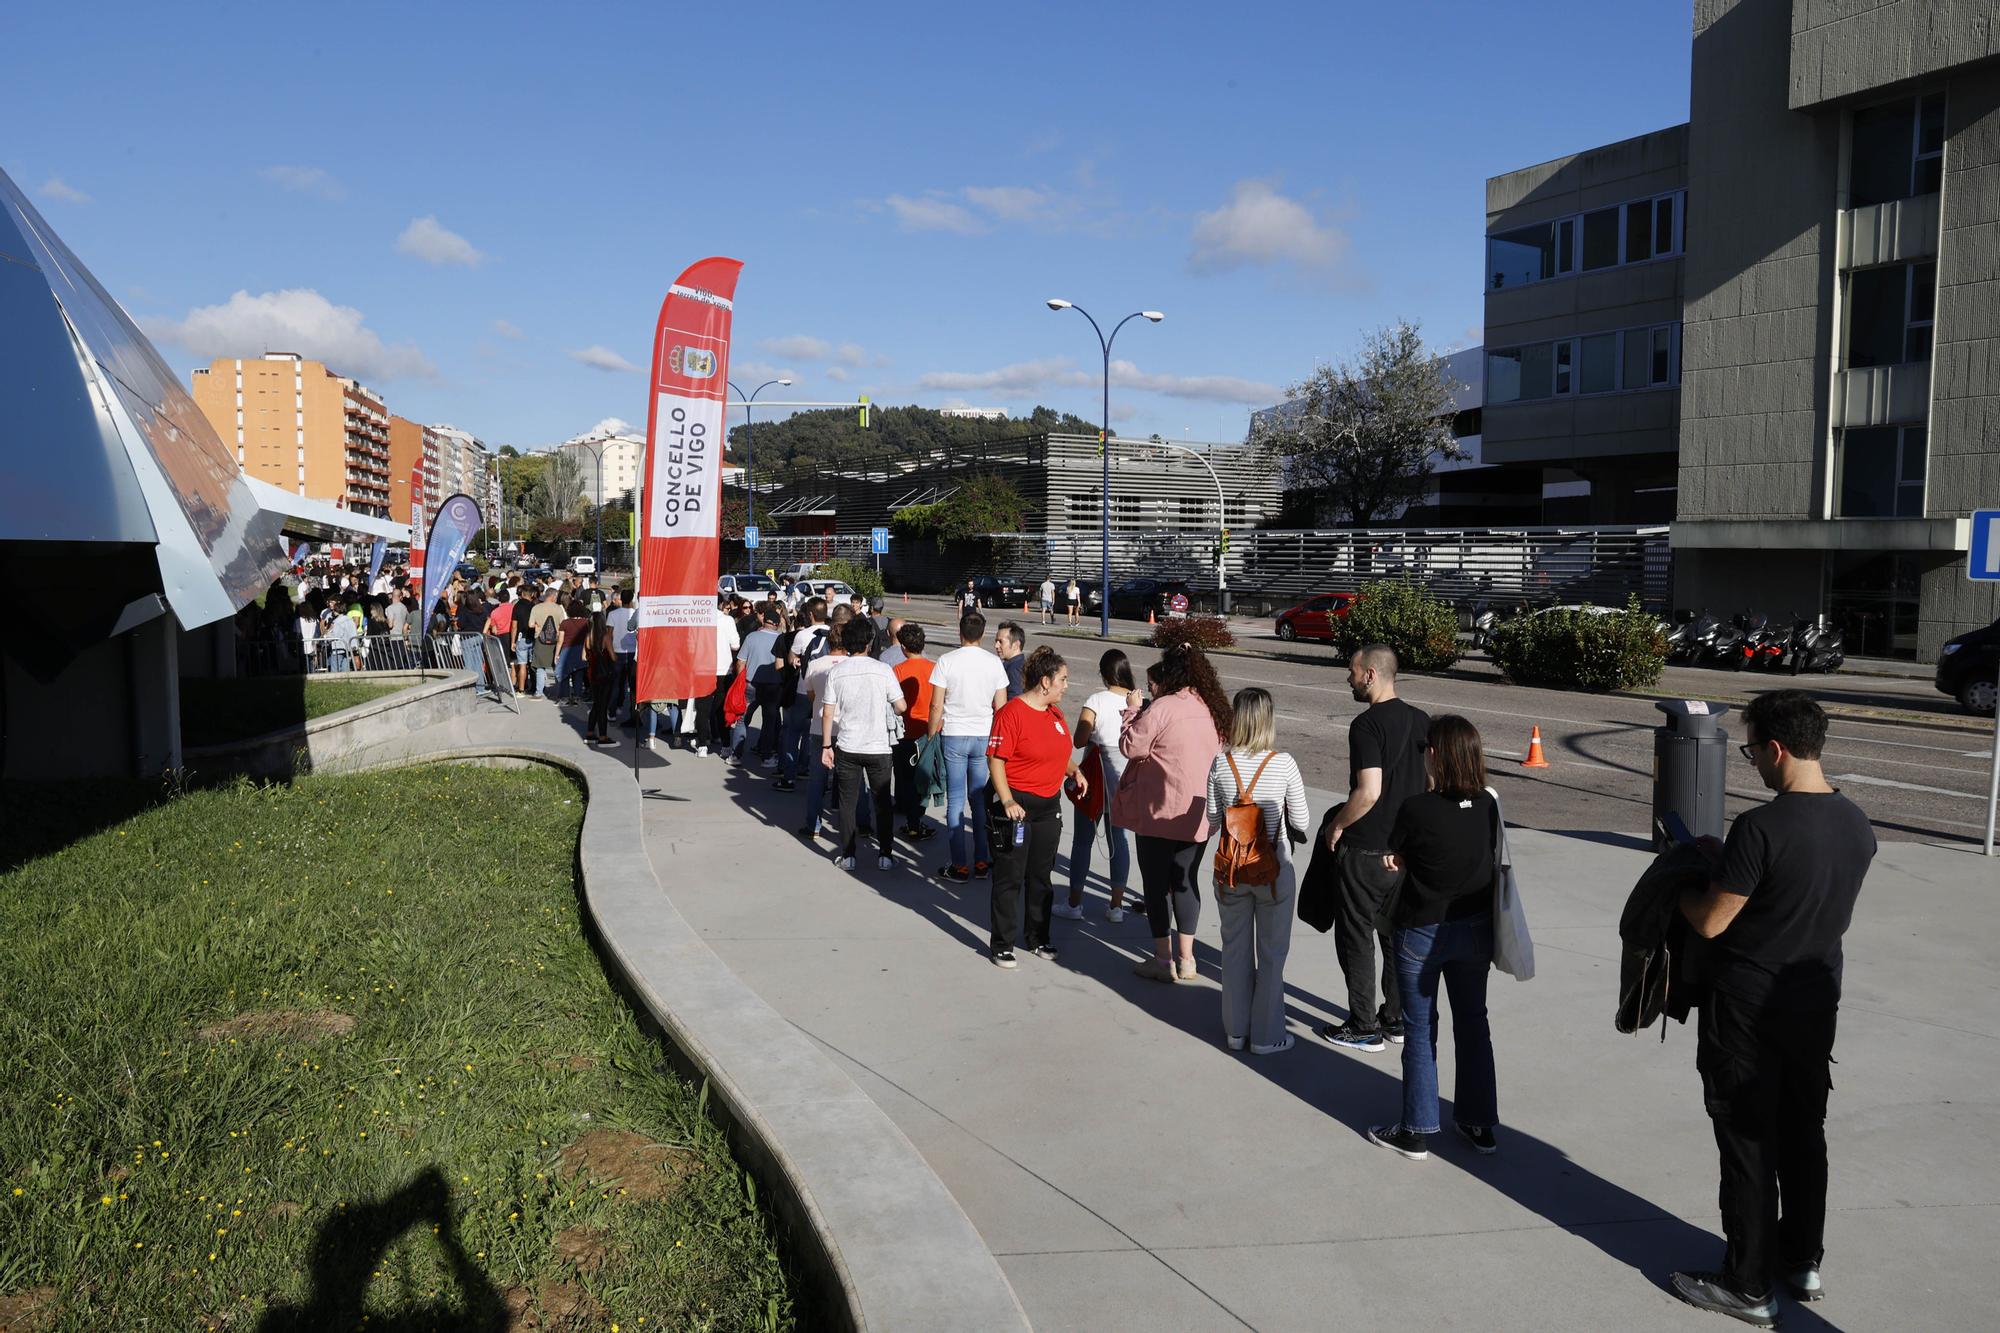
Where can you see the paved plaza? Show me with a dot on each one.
(1130, 1172)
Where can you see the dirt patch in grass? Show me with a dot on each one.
(639, 1167)
(587, 1247)
(28, 1311)
(552, 1307)
(291, 1024)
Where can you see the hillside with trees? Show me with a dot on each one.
(827, 438)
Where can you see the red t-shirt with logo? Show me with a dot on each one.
(1035, 744)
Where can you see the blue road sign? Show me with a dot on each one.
(878, 541)
(751, 536)
(1983, 560)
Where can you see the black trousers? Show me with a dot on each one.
(848, 771)
(770, 717)
(909, 787)
(709, 728)
(1364, 886)
(603, 684)
(1765, 1076)
(1023, 886)
(1170, 880)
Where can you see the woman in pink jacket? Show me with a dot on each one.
(1162, 797)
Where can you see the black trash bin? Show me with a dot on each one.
(1690, 768)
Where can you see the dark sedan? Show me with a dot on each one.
(1135, 599)
(1316, 617)
(1967, 667)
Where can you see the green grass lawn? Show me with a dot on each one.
(281, 1057)
(214, 712)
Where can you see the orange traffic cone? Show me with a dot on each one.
(906, 599)
(1149, 618)
(1535, 759)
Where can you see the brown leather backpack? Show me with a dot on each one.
(1245, 856)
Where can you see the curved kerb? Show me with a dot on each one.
(882, 1239)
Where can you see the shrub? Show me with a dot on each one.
(1582, 650)
(862, 578)
(1421, 628)
(1203, 632)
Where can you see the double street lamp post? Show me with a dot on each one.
(597, 455)
(1104, 446)
(750, 463)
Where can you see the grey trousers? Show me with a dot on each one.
(1256, 937)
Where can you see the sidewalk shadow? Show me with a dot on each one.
(1355, 1090)
(349, 1249)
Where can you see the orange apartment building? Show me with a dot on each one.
(296, 424)
(412, 445)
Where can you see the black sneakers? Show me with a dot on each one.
(1392, 1028)
(955, 874)
(1045, 951)
(1482, 1140)
(1403, 1142)
(1710, 1291)
(1004, 958)
(1352, 1037)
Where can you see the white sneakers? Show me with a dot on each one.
(1068, 913)
(844, 862)
(884, 863)
(1114, 915)
(647, 742)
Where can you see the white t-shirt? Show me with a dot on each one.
(727, 641)
(969, 676)
(1107, 707)
(1048, 590)
(813, 682)
(863, 694)
(624, 629)
(807, 641)
(892, 655)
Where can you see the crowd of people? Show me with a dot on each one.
(878, 725)
(1194, 786)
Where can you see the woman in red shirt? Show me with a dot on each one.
(1028, 754)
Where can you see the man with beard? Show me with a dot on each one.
(1385, 763)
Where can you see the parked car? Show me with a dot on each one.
(583, 565)
(1315, 617)
(831, 589)
(1135, 599)
(467, 571)
(995, 593)
(524, 561)
(1967, 666)
(749, 585)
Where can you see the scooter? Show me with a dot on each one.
(1750, 627)
(1816, 647)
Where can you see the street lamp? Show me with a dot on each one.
(1104, 445)
(750, 462)
(597, 453)
(1221, 521)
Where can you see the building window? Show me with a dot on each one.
(1881, 472)
(1890, 314)
(1629, 233)
(1896, 151)
(1629, 359)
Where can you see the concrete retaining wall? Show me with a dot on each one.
(345, 740)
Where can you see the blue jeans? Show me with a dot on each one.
(1461, 952)
(569, 670)
(792, 755)
(1080, 843)
(965, 779)
(655, 712)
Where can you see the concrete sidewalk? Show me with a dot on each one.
(1130, 1172)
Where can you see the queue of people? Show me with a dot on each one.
(1191, 785)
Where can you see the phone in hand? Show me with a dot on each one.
(1676, 828)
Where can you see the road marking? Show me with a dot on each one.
(1906, 786)
(1909, 745)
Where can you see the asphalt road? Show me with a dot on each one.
(1917, 779)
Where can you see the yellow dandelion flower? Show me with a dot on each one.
(106, 1200)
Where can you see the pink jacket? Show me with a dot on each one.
(1169, 747)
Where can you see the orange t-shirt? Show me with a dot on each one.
(914, 674)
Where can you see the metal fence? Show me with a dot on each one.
(363, 652)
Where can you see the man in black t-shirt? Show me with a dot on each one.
(1782, 896)
(1385, 763)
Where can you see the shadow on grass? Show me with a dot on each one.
(44, 817)
(349, 1250)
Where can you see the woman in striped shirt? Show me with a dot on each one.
(1257, 920)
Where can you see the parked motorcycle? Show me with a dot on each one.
(1816, 647)
(1685, 637)
(1486, 618)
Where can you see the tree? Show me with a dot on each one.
(1364, 435)
(806, 441)
(982, 504)
(560, 493)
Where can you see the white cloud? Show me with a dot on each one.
(611, 426)
(429, 240)
(1259, 226)
(55, 187)
(752, 373)
(599, 357)
(838, 374)
(508, 329)
(1022, 379)
(933, 214)
(294, 320)
(315, 181)
(1211, 388)
(1014, 203)
(798, 347)
(853, 354)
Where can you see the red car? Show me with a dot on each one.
(1314, 617)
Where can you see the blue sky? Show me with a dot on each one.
(477, 209)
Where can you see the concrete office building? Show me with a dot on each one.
(296, 424)
(1840, 401)
(464, 466)
(1583, 308)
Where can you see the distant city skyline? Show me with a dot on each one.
(485, 236)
